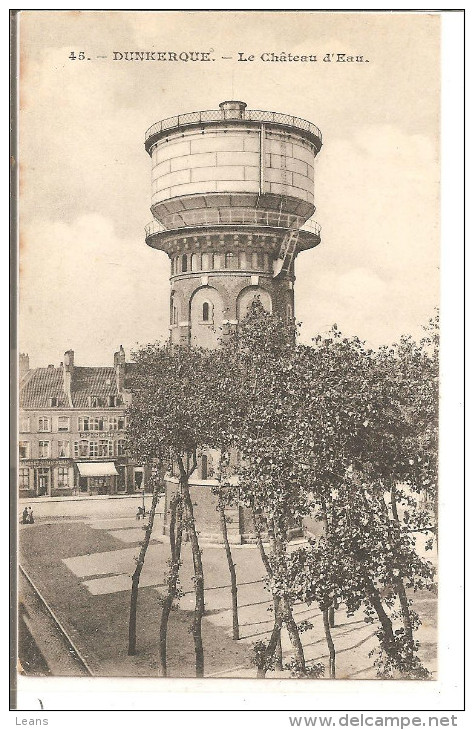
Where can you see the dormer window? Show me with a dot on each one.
(112, 401)
(96, 401)
(53, 402)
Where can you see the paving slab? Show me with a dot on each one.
(122, 523)
(135, 534)
(116, 583)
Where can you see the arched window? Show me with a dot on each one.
(195, 262)
(184, 263)
(174, 312)
(266, 262)
(205, 262)
(216, 261)
(254, 260)
(207, 312)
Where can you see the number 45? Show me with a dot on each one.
(81, 56)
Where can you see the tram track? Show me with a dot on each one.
(45, 646)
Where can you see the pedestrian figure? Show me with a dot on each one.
(139, 513)
(24, 516)
(30, 519)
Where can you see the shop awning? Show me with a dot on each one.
(97, 469)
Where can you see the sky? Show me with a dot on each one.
(87, 279)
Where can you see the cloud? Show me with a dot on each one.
(376, 271)
(85, 287)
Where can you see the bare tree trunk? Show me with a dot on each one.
(272, 645)
(330, 643)
(399, 585)
(276, 600)
(388, 644)
(176, 533)
(197, 563)
(231, 565)
(294, 637)
(278, 540)
(278, 650)
(132, 623)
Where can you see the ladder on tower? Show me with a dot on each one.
(282, 265)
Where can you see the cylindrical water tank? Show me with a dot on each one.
(232, 165)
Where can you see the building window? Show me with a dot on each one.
(206, 312)
(93, 449)
(216, 261)
(25, 425)
(81, 449)
(112, 401)
(44, 449)
(184, 263)
(121, 423)
(96, 401)
(24, 449)
(105, 448)
(243, 260)
(194, 262)
(63, 423)
(205, 265)
(63, 477)
(254, 260)
(24, 478)
(120, 447)
(93, 423)
(113, 423)
(53, 402)
(63, 449)
(44, 424)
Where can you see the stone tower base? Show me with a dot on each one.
(239, 520)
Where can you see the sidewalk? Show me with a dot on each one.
(85, 568)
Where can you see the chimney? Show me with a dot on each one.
(119, 365)
(23, 364)
(68, 368)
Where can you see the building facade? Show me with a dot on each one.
(232, 200)
(72, 430)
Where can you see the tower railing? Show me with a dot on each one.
(233, 216)
(216, 115)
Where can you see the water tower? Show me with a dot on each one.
(232, 200)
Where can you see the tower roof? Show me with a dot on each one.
(231, 112)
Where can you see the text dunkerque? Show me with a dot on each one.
(266, 57)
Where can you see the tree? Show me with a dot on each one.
(362, 427)
(173, 414)
(258, 356)
(132, 624)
